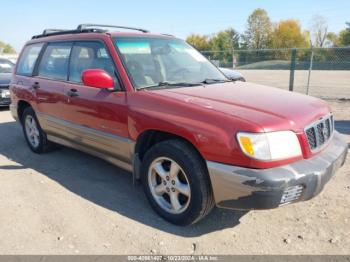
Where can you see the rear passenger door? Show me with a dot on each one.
(50, 78)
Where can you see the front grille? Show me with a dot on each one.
(5, 101)
(4, 86)
(319, 132)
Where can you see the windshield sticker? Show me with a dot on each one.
(134, 48)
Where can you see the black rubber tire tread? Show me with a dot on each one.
(44, 144)
(202, 200)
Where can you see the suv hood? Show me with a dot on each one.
(270, 108)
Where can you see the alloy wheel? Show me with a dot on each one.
(32, 131)
(169, 185)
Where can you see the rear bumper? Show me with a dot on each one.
(244, 188)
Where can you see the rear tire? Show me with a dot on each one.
(176, 182)
(34, 135)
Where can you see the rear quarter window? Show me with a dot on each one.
(26, 62)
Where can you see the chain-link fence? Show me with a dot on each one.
(321, 72)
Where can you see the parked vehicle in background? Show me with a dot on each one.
(6, 68)
(153, 105)
(12, 58)
(232, 74)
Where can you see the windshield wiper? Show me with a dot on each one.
(209, 81)
(165, 84)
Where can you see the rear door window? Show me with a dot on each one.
(28, 59)
(54, 63)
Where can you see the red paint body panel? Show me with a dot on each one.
(207, 116)
(97, 108)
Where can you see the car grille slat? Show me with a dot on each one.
(319, 132)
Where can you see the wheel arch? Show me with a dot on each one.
(21, 106)
(149, 138)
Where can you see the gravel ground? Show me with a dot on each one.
(67, 202)
(323, 83)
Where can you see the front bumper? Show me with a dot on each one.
(4, 97)
(244, 188)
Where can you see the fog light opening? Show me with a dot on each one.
(291, 194)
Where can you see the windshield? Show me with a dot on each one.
(5, 66)
(164, 61)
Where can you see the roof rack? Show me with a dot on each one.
(50, 31)
(65, 32)
(168, 35)
(86, 26)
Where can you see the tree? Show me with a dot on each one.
(9, 49)
(222, 44)
(332, 40)
(258, 30)
(344, 36)
(288, 34)
(225, 40)
(318, 30)
(6, 48)
(199, 42)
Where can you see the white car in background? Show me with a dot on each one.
(232, 74)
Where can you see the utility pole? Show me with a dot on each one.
(292, 69)
(310, 69)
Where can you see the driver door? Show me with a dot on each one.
(95, 117)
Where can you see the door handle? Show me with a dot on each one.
(72, 92)
(36, 85)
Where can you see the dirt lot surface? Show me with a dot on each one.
(320, 81)
(67, 202)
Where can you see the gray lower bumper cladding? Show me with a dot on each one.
(244, 188)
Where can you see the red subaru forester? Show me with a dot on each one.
(152, 104)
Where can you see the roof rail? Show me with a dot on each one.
(47, 32)
(86, 26)
(50, 31)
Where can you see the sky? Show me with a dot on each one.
(22, 19)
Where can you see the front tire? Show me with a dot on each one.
(34, 135)
(176, 182)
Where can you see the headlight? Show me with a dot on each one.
(269, 146)
(4, 93)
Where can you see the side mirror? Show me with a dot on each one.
(97, 78)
